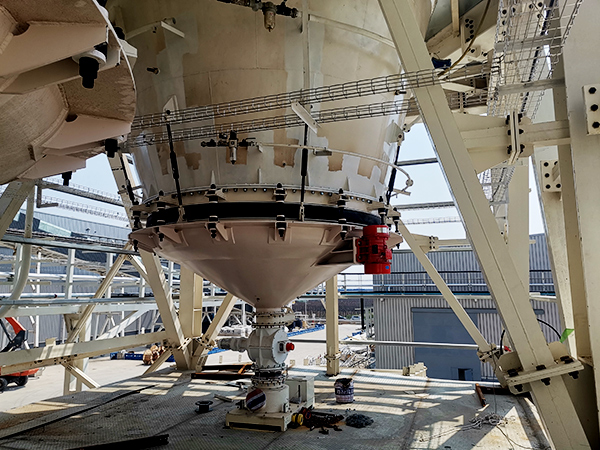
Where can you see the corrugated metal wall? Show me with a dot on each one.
(394, 322)
(460, 270)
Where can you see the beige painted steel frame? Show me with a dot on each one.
(448, 295)
(208, 339)
(332, 326)
(579, 169)
(176, 340)
(512, 297)
(50, 355)
(11, 200)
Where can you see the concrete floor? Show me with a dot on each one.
(49, 384)
(408, 413)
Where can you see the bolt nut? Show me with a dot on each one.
(594, 107)
(596, 125)
(592, 90)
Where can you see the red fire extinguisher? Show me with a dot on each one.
(372, 250)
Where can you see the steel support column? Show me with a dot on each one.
(190, 302)
(512, 297)
(551, 204)
(581, 54)
(332, 327)
(70, 382)
(208, 339)
(164, 301)
(518, 219)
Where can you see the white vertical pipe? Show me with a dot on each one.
(69, 274)
(25, 260)
(38, 270)
(109, 263)
(37, 331)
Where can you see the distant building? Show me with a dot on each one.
(413, 310)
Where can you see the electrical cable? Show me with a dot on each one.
(540, 321)
(551, 327)
(475, 36)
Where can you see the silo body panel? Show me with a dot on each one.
(226, 55)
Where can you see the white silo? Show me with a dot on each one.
(240, 200)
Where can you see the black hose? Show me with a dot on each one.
(551, 327)
(540, 321)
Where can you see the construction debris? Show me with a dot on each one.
(480, 395)
(222, 397)
(358, 421)
(152, 354)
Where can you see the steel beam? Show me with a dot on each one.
(359, 342)
(512, 297)
(332, 327)
(50, 355)
(47, 242)
(128, 320)
(102, 289)
(166, 307)
(81, 376)
(159, 362)
(11, 200)
(208, 339)
(448, 295)
(518, 219)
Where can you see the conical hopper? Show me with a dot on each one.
(250, 259)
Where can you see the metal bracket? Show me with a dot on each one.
(550, 176)
(305, 116)
(39, 202)
(154, 28)
(515, 149)
(168, 346)
(591, 100)
(516, 382)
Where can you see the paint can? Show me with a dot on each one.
(344, 390)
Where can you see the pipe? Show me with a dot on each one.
(393, 344)
(25, 262)
(352, 29)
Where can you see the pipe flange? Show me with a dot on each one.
(268, 382)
